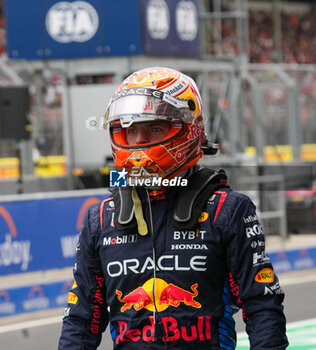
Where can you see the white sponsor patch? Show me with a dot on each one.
(260, 258)
(255, 230)
(164, 263)
(250, 218)
(120, 239)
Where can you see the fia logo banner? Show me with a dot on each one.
(76, 21)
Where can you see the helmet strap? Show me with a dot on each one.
(141, 223)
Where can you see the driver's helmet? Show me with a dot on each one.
(154, 94)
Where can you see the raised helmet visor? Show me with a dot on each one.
(141, 105)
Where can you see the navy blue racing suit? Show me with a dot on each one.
(174, 288)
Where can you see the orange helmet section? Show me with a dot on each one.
(158, 77)
(167, 80)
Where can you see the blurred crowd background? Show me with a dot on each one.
(266, 112)
(297, 33)
(286, 35)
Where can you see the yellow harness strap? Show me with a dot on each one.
(141, 223)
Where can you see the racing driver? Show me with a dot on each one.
(173, 252)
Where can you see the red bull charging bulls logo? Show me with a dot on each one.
(166, 294)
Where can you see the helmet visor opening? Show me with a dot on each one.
(119, 137)
(137, 108)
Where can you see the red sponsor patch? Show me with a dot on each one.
(174, 331)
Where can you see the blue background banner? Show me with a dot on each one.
(50, 29)
(171, 28)
(41, 234)
(293, 260)
(34, 298)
